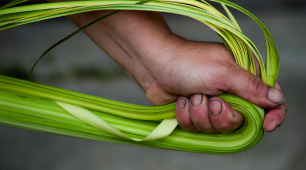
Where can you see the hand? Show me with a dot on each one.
(170, 68)
(198, 69)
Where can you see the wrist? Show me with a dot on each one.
(141, 42)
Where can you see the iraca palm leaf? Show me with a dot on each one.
(39, 107)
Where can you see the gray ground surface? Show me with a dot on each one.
(80, 66)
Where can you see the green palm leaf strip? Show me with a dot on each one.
(39, 107)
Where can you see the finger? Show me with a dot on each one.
(275, 116)
(252, 88)
(198, 111)
(183, 116)
(222, 117)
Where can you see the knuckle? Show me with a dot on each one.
(255, 87)
(281, 115)
(255, 83)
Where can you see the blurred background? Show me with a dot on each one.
(79, 65)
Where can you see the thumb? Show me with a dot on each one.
(250, 87)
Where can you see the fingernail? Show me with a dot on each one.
(181, 103)
(215, 107)
(196, 100)
(276, 96)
